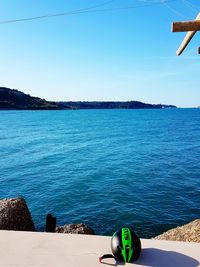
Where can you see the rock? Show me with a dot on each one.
(79, 228)
(15, 215)
(189, 232)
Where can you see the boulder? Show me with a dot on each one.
(189, 232)
(15, 215)
(79, 228)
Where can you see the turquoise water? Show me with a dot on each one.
(106, 168)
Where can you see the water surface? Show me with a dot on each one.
(106, 168)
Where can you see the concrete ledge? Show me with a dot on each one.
(66, 250)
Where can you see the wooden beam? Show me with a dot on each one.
(186, 26)
(187, 39)
(185, 42)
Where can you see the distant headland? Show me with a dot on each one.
(17, 100)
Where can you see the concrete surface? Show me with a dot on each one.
(69, 250)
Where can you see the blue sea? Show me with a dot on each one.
(105, 168)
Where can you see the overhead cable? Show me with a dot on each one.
(84, 10)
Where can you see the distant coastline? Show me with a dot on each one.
(11, 99)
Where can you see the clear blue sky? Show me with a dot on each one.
(123, 54)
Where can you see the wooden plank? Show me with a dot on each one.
(187, 39)
(185, 42)
(186, 26)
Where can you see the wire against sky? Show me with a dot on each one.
(191, 6)
(91, 9)
(175, 11)
(58, 14)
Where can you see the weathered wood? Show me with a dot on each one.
(186, 26)
(187, 39)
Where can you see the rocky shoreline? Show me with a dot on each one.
(189, 233)
(15, 215)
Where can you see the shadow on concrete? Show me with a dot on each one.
(117, 263)
(162, 258)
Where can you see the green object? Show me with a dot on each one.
(125, 246)
(127, 250)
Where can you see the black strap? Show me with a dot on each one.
(106, 256)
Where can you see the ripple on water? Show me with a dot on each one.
(107, 168)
